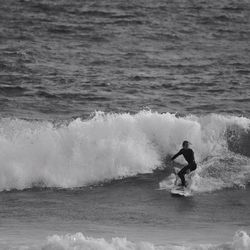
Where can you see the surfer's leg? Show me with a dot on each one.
(193, 166)
(182, 173)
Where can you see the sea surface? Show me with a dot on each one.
(96, 96)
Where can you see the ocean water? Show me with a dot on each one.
(95, 98)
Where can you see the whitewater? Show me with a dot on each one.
(241, 241)
(111, 146)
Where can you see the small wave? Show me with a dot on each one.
(45, 7)
(96, 13)
(45, 94)
(241, 241)
(128, 22)
(222, 18)
(233, 8)
(112, 146)
(12, 90)
(61, 29)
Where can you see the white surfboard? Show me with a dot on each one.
(180, 191)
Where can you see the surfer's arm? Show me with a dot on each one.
(176, 155)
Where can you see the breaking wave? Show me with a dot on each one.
(112, 146)
(241, 241)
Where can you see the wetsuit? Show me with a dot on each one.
(189, 157)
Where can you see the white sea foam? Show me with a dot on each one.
(241, 241)
(111, 146)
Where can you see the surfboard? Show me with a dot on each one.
(180, 191)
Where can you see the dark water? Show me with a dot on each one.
(64, 59)
(65, 169)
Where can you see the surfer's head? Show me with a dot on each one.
(185, 144)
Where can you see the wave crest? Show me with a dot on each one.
(241, 241)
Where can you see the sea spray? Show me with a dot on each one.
(111, 146)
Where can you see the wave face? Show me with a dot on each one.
(112, 146)
(241, 241)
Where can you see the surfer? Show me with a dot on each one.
(188, 154)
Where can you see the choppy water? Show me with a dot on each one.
(94, 95)
(64, 59)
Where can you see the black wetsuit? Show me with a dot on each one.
(189, 157)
